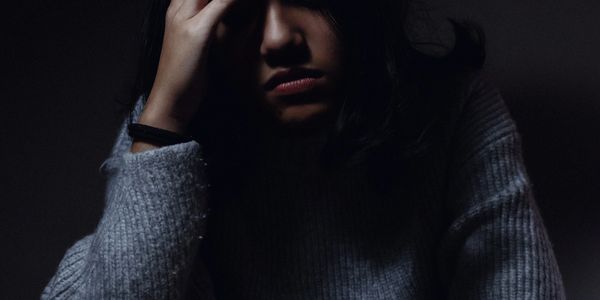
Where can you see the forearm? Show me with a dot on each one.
(147, 238)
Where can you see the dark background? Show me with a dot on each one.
(67, 61)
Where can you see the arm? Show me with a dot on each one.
(496, 246)
(147, 239)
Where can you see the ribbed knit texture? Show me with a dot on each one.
(287, 230)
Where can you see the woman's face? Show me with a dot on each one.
(283, 56)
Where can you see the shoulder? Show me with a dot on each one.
(476, 113)
(481, 118)
(467, 108)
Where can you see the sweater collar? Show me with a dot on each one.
(294, 152)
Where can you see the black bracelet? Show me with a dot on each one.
(156, 135)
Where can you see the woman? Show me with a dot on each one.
(329, 159)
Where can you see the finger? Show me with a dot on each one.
(175, 3)
(174, 6)
(190, 8)
(212, 13)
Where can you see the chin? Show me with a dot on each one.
(306, 116)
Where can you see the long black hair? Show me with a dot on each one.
(397, 94)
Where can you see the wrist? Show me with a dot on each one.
(140, 146)
(163, 121)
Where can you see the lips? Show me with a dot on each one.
(291, 75)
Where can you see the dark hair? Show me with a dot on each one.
(402, 84)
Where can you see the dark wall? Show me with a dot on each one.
(67, 62)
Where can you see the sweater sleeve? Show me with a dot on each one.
(496, 246)
(147, 239)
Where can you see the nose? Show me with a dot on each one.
(282, 38)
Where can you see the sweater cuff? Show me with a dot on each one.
(153, 222)
(169, 170)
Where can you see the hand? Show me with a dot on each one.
(180, 82)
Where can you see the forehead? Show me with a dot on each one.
(314, 4)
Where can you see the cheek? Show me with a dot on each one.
(237, 71)
(243, 74)
(326, 47)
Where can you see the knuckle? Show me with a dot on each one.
(178, 16)
(170, 14)
(187, 30)
(171, 11)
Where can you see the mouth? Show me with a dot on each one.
(293, 81)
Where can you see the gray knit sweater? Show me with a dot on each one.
(472, 230)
